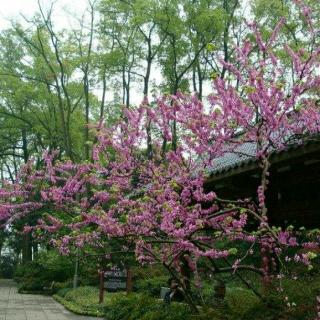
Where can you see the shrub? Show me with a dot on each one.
(47, 267)
(148, 271)
(134, 307)
(85, 298)
(151, 286)
(239, 301)
(56, 266)
(77, 309)
(141, 307)
(243, 305)
(88, 273)
(7, 266)
(30, 276)
(62, 292)
(62, 285)
(83, 295)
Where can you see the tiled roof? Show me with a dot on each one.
(240, 155)
(245, 154)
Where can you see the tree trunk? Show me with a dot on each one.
(103, 99)
(26, 248)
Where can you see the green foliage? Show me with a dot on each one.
(149, 271)
(77, 309)
(30, 276)
(239, 304)
(151, 286)
(7, 266)
(62, 292)
(296, 300)
(48, 266)
(59, 267)
(135, 306)
(85, 297)
(83, 300)
(239, 301)
(88, 273)
(142, 307)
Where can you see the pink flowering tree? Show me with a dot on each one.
(145, 187)
(273, 106)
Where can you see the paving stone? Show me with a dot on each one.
(16, 306)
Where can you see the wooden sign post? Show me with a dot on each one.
(101, 286)
(115, 279)
(129, 280)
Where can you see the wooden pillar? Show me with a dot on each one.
(101, 286)
(129, 280)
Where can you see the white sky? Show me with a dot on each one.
(11, 9)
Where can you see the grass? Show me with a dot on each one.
(78, 309)
(84, 300)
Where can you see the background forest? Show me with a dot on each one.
(56, 81)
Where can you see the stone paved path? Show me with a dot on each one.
(15, 306)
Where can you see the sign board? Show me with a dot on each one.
(116, 279)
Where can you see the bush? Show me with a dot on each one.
(47, 267)
(78, 309)
(88, 273)
(62, 292)
(244, 305)
(30, 276)
(83, 295)
(152, 286)
(239, 301)
(239, 304)
(83, 299)
(149, 271)
(56, 266)
(62, 285)
(141, 307)
(7, 266)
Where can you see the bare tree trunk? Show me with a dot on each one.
(86, 84)
(103, 99)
